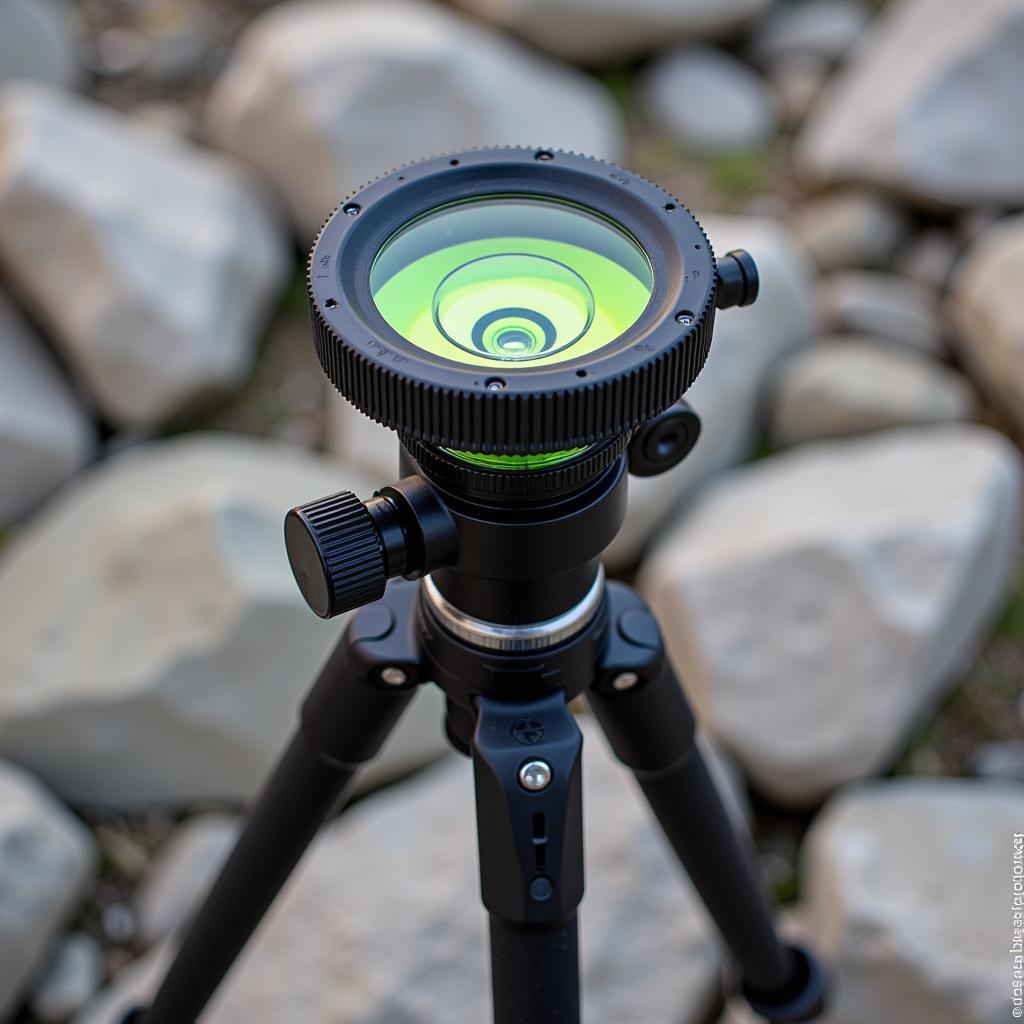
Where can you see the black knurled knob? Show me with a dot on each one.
(336, 554)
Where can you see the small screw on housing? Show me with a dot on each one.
(394, 676)
(535, 776)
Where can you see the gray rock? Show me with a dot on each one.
(44, 434)
(850, 228)
(595, 31)
(709, 100)
(164, 662)
(986, 303)
(819, 603)
(749, 344)
(38, 39)
(852, 386)
(151, 262)
(47, 862)
(929, 106)
(884, 305)
(180, 874)
(823, 29)
(72, 977)
(930, 258)
(798, 82)
(321, 99)
(907, 890)
(416, 939)
(1000, 760)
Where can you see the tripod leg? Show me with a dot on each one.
(643, 712)
(526, 766)
(345, 720)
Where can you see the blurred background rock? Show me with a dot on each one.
(837, 566)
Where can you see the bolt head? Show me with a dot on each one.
(625, 681)
(394, 676)
(535, 776)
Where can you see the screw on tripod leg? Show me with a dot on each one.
(394, 676)
(535, 776)
(625, 681)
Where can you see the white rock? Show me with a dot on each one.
(153, 644)
(416, 938)
(908, 888)
(72, 977)
(358, 441)
(886, 305)
(47, 862)
(709, 100)
(729, 392)
(44, 434)
(849, 228)
(608, 30)
(987, 305)
(929, 105)
(152, 262)
(38, 39)
(322, 97)
(853, 386)
(823, 29)
(180, 874)
(819, 603)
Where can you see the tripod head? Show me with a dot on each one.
(527, 322)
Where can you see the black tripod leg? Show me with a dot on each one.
(346, 718)
(526, 766)
(649, 724)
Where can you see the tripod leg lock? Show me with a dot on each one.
(526, 765)
(637, 698)
(804, 998)
(367, 681)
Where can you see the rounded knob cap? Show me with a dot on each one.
(336, 554)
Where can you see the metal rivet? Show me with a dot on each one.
(625, 681)
(685, 318)
(394, 676)
(535, 776)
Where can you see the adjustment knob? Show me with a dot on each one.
(336, 554)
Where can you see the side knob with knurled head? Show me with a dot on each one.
(336, 553)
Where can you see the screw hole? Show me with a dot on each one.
(494, 384)
(581, 373)
(697, 246)
(401, 177)
(454, 163)
(684, 317)
(351, 209)
(543, 154)
(670, 207)
(331, 303)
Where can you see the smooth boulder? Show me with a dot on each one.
(390, 895)
(852, 386)
(986, 303)
(154, 647)
(908, 892)
(850, 228)
(727, 105)
(47, 864)
(323, 97)
(151, 262)
(820, 603)
(929, 106)
(728, 395)
(45, 434)
(598, 31)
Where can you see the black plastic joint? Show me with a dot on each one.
(637, 698)
(530, 834)
(367, 682)
(805, 998)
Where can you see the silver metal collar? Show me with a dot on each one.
(531, 636)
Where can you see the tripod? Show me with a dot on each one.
(508, 676)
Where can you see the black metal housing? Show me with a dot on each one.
(580, 401)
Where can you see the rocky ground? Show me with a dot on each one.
(836, 566)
